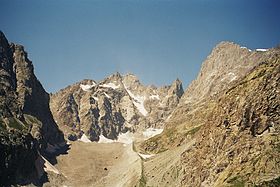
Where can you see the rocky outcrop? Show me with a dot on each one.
(26, 123)
(113, 106)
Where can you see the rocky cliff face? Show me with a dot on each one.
(24, 107)
(112, 106)
(234, 124)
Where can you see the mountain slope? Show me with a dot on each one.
(213, 79)
(235, 133)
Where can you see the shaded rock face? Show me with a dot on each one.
(24, 107)
(32, 97)
(9, 105)
(113, 106)
(17, 158)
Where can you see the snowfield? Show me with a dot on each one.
(145, 156)
(110, 85)
(125, 138)
(138, 101)
(262, 50)
(87, 87)
(151, 132)
(49, 167)
(107, 95)
(84, 139)
(242, 47)
(155, 97)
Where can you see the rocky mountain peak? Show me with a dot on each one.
(117, 77)
(227, 63)
(131, 80)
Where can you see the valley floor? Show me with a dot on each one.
(116, 165)
(97, 164)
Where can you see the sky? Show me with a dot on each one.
(157, 40)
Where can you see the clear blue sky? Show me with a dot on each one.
(157, 40)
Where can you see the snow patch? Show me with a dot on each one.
(155, 97)
(151, 132)
(87, 87)
(85, 139)
(140, 107)
(262, 50)
(103, 139)
(138, 102)
(168, 118)
(49, 167)
(233, 76)
(110, 85)
(145, 156)
(95, 98)
(245, 48)
(107, 95)
(125, 138)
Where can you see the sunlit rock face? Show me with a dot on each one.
(112, 106)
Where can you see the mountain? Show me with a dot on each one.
(26, 123)
(112, 106)
(225, 130)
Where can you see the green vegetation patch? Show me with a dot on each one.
(14, 123)
(2, 125)
(236, 182)
(193, 130)
(272, 183)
